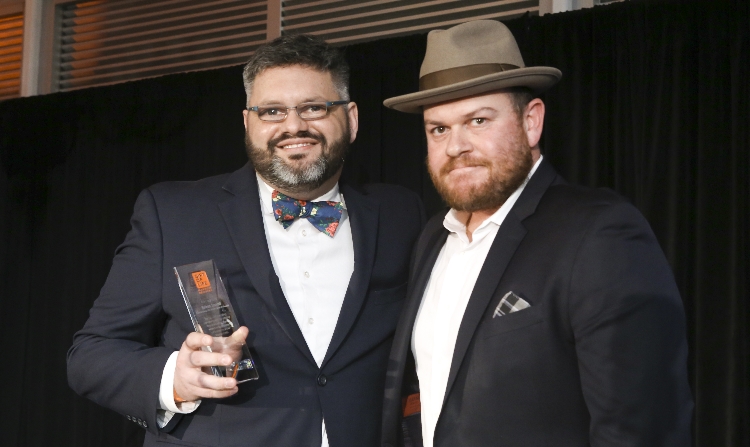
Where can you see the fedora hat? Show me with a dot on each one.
(469, 59)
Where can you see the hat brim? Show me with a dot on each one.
(537, 79)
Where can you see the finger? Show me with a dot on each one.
(195, 341)
(196, 385)
(240, 334)
(208, 383)
(201, 358)
(222, 394)
(206, 393)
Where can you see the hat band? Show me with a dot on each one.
(459, 74)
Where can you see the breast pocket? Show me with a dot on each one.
(385, 296)
(513, 321)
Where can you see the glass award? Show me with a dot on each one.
(212, 314)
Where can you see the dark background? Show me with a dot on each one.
(654, 103)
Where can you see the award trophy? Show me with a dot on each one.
(211, 312)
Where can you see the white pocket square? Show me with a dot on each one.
(509, 304)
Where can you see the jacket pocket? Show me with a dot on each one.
(513, 321)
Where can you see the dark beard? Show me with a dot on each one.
(292, 179)
(503, 180)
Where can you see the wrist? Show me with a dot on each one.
(177, 398)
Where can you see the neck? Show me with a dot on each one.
(308, 194)
(473, 219)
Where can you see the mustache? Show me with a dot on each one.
(272, 143)
(464, 161)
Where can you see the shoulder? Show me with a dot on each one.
(181, 199)
(188, 196)
(581, 195)
(573, 202)
(202, 187)
(570, 215)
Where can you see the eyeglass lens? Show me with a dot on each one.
(306, 111)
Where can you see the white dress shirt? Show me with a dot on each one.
(443, 305)
(314, 271)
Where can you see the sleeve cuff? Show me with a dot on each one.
(166, 390)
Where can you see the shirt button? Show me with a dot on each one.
(322, 380)
(304, 232)
(307, 274)
(310, 320)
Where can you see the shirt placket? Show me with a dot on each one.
(306, 238)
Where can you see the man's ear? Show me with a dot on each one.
(533, 121)
(352, 113)
(245, 113)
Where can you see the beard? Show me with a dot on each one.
(505, 175)
(301, 176)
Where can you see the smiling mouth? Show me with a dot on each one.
(296, 145)
(297, 151)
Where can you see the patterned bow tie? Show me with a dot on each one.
(324, 216)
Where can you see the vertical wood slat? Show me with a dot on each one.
(108, 41)
(360, 20)
(11, 49)
(112, 41)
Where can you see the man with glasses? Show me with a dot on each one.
(316, 272)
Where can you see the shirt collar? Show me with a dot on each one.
(454, 225)
(265, 190)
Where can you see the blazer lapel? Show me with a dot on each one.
(243, 217)
(426, 256)
(363, 217)
(428, 248)
(509, 236)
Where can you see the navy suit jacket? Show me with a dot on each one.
(600, 357)
(140, 318)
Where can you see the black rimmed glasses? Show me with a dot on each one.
(307, 111)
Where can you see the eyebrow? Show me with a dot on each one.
(275, 102)
(465, 116)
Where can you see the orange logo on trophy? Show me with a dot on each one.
(201, 282)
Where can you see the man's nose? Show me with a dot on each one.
(458, 143)
(293, 123)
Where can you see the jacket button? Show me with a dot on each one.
(322, 380)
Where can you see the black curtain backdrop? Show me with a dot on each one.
(654, 103)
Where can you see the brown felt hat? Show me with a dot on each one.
(470, 59)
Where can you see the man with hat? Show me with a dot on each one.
(539, 312)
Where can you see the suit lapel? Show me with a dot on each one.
(428, 248)
(243, 217)
(428, 251)
(509, 236)
(363, 216)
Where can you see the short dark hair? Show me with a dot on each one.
(299, 49)
(520, 97)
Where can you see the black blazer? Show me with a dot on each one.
(600, 357)
(140, 318)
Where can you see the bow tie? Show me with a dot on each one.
(324, 215)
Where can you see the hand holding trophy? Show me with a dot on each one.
(218, 344)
